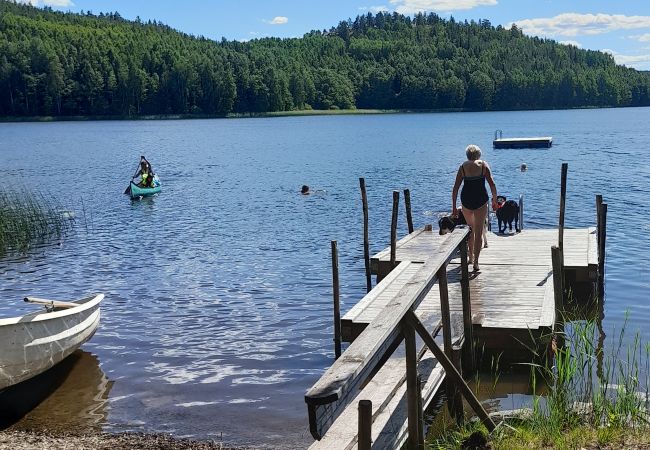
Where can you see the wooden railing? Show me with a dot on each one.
(398, 322)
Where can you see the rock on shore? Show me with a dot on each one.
(22, 440)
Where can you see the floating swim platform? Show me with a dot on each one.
(521, 142)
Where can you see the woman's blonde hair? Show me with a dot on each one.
(473, 152)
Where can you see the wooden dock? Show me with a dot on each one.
(428, 321)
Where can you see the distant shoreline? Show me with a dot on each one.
(297, 113)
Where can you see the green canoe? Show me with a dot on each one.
(137, 191)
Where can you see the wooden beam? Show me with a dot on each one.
(601, 248)
(450, 370)
(407, 204)
(565, 168)
(468, 328)
(51, 303)
(337, 300)
(558, 281)
(365, 425)
(411, 359)
(393, 230)
(366, 241)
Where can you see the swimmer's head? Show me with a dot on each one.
(523, 167)
(304, 189)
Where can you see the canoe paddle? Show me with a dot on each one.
(127, 191)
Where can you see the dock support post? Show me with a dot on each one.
(336, 295)
(407, 204)
(455, 402)
(602, 233)
(599, 202)
(450, 369)
(565, 168)
(468, 330)
(366, 242)
(393, 230)
(421, 436)
(412, 387)
(521, 212)
(365, 425)
(558, 293)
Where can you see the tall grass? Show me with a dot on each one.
(593, 393)
(28, 219)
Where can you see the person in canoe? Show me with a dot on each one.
(144, 175)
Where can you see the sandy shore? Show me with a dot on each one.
(21, 440)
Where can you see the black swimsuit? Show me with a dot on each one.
(474, 194)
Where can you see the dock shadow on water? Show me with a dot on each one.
(73, 395)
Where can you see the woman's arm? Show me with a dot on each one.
(493, 186)
(454, 193)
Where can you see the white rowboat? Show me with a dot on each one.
(35, 342)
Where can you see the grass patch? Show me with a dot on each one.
(28, 219)
(595, 399)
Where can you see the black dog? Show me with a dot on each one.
(447, 224)
(507, 212)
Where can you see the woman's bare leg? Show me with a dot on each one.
(479, 216)
(469, 218)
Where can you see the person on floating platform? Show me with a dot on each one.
(145, 176)
(472, 174)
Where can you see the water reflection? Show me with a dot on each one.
(73, 395)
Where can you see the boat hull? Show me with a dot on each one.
(137, 191)
(34, 343)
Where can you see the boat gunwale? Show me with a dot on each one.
(85, 303)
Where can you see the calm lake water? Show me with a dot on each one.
(217, 315)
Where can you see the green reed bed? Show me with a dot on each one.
(28, 219)
(597, 397)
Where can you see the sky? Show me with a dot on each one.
(621, 27)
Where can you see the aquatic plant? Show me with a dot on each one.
(27, 219)
(594, 396)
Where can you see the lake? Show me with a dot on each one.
(217, 316)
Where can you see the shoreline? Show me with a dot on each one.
(29, 440)
(272, 114)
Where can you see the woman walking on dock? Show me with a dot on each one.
(474, 198)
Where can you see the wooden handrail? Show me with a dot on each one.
(342, 381)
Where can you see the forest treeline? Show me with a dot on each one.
(66, 64)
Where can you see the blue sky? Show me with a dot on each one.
(620, 27)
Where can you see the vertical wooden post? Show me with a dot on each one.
(393, 230)
(558, 280)
(601, 249)
(365, 425)
(454, 400)
(407, 204)
(521, 212)
(421, 418)
(599, 203)
(337, 305)
(468, 330)
(366, 242)
(412, 386)
(565, 168)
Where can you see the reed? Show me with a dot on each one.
(28, 219)
(595, 396)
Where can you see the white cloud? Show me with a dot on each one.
(642, 38)
(415, 6)
(641, 62)
(570, 42)
(374, 9)
(574, 24)
(278, 20)
(57, 3)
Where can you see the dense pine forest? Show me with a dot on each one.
(65, 64)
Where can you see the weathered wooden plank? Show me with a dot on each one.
(341, 381)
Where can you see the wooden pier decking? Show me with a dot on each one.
(512, 294)
(428, 322)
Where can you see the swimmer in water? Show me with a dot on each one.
(304, 190)
(523, 167)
